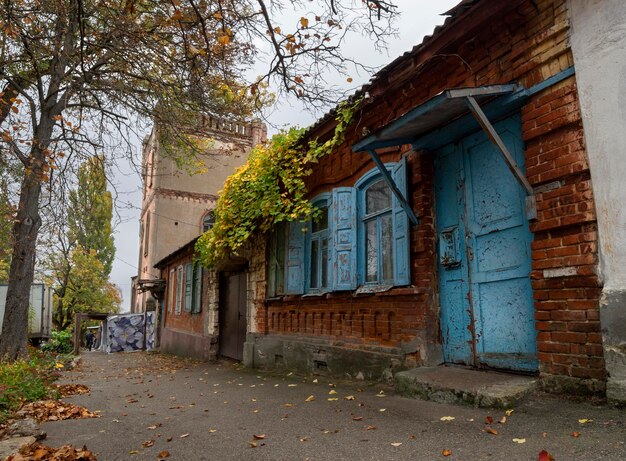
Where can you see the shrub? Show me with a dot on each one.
(24, 381)
(60, 342)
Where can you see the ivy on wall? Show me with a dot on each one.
(269, 189)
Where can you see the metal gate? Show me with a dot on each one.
(487, 313)
(232, 314)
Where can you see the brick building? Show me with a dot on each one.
(177, 201)
(459, 217)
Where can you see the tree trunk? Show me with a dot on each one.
(14, 337)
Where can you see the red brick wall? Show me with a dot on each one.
(527, 44)
(568, 326)
(185, 321)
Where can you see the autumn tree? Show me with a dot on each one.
(81, 287)
(81, 248)
(90, 213)
(77, 75)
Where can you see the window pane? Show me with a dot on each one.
(387, 247)
(315, 250)
(208, 222)
(325, 263)
(377, 197)
(371, 251)
(322, 223)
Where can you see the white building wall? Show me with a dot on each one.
(598, 39)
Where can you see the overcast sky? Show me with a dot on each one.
(417, 19)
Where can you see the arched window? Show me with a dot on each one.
(208, 221)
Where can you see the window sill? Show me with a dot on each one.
(362, 291)
(372, 289)
(315, 294)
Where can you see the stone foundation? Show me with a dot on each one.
(613, 321)
(188, 345)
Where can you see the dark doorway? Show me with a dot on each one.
(232, 314)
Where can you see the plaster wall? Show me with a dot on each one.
(598, 41)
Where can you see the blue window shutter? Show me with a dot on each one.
(197, 289)
(401, 271)
(295, 258)
(343, 239)
(188, 286)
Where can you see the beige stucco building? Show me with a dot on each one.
(178, 199)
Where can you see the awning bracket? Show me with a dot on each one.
(483, 121)
(392, 185)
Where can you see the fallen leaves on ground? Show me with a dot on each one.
(489, 420)
(39, 452)
(545, 456)
(258, 436)
(446, 452)
(519, 440)
(447, 418)
(55, 410)
(310, 398)
(164, 454)
(71, 389)
(585, 421)
(502, 420)
(148, 443)
(575, 434)
(491, 430)
(396, 444)
(509, 412)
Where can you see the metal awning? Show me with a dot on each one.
(440, 110)
(450, 115)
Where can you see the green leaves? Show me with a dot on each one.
(269, 189)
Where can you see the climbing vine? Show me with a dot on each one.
(269, 189)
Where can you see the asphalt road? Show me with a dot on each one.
(200, 411)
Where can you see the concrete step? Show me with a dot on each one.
(449, 384)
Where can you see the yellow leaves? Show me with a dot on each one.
(304, 22)
(217, 16)
(519, 440)
(277, 30)
(585, 421)
(224, 36)
(177, 15)
(447, 418)
(310, 398)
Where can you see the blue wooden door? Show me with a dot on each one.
(487, 314)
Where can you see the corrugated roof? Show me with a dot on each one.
(452, 16)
